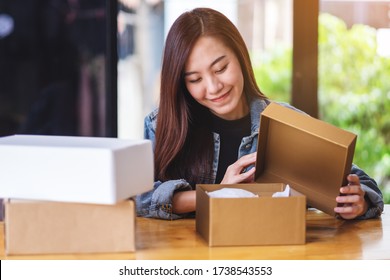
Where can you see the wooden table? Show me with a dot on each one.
(326, 238)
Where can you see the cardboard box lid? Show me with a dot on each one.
(314, 157)
(74, 168)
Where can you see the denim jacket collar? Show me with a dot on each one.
(257, 106)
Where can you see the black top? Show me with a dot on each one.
(231, 134)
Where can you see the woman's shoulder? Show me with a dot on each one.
(150, 121)
(258, 105)
(152, 116)
(288, 105)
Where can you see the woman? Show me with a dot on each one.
(206, 127)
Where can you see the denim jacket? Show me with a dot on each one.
(157, 203)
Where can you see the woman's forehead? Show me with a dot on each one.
(206, 51)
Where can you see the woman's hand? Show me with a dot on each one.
(234, 173)
(352, 199)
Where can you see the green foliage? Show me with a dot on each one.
(354, 90)
(273, 73)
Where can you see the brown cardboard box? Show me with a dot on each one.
(262, 220)
(310, 155)
(33, 227)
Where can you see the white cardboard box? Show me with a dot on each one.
(74, 169)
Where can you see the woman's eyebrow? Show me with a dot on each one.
(211, 65)
(217, 60)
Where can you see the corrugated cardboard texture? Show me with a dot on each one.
(59, 228)
(312, 156)
(260, 220)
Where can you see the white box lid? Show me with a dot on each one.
(74, 168)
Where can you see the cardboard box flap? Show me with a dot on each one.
(312, 156)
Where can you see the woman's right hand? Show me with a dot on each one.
(234, 173)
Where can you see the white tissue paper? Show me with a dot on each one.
(285, 193)
(231, 193)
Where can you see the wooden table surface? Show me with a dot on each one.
(326, 238)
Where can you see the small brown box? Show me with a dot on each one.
(263, 220)
(310, 155)
(41, 227)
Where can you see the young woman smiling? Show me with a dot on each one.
(206, 127)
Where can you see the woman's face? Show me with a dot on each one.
(214, 78)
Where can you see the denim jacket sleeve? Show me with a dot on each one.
(373, 194)
(157, 203)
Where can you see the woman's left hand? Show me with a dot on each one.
(352, 199)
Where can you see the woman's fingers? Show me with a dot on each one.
(237, 173)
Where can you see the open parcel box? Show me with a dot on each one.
(44, 227)
(311, 156)
(263, 220)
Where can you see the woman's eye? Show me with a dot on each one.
(222, 69)
(193, 81)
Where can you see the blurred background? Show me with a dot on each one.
(91, 67)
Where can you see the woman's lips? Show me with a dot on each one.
(220, 98)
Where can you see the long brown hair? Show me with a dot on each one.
(184, 143)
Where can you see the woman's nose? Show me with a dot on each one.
(214, 85)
